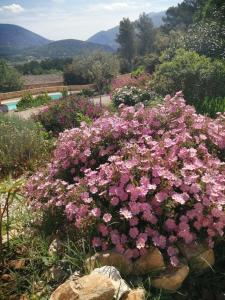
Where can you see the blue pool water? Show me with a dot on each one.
(55, 96)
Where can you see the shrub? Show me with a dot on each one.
(68, 113)
(28, 101)
(206, 38)
(143, 177)
(197, 76)
(132, 95)
(10, 79)
(211, 107)
(138, 72)
(148, 62)
(23, 145)
(128, 80)
(87, 93)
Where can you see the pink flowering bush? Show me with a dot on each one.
(140, 178)
(127, 80)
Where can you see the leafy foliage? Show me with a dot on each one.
(197, 76)
(210, 106)
(98, 68)
(10, 79)
(28, 101)
(206, 38)
(23, 145)
(43, 67)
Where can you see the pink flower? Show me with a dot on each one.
(126, 213)
(180, 198)
(133, 232)
(96, 212)
(107, 218)
(96, 242)
(114, 201)
(174, 261)
(141, 241)
(170, 224)
(161, 196)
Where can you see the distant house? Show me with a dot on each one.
(36, 81)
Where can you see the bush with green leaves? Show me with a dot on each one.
(10, 79)
(196, 75)
(211, 107)
(23, 145)
(29, 101)
(131, 95)
(206, 38)
(68, 113)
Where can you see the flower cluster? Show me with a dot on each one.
(68, 113)
(140, 178)
(127, 80)
(131, 95)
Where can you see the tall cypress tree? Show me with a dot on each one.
(145, 34)
(126, 40)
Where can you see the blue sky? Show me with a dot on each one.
(79, 19)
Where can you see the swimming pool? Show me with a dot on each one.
(12, 105)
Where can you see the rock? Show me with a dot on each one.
(111, 272)
(171, 280)
(138, 294)
(152, 261)
(3, 108)
(198, 255)
(17, 264)
(117, 260)
(7, 278)
(90, 287)
(64, 292)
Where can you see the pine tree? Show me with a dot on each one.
(145, 33)
(126, 40)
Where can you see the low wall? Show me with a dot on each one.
(41, 85)
(50, 89)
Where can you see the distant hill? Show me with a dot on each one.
(66, 48)
(16, 41)
(16, 36)
(108, 37)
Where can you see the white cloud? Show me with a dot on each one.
(13, 8)
(108, 7)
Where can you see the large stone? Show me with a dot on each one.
(90, 287)
(172, 279)
(199, 255)
(120, 285)
(138, 294)
(110, 258)
(64, 292)
(152, 261)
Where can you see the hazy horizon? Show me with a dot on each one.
(68, 19)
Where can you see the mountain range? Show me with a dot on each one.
(18, 42)
(108, 37)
